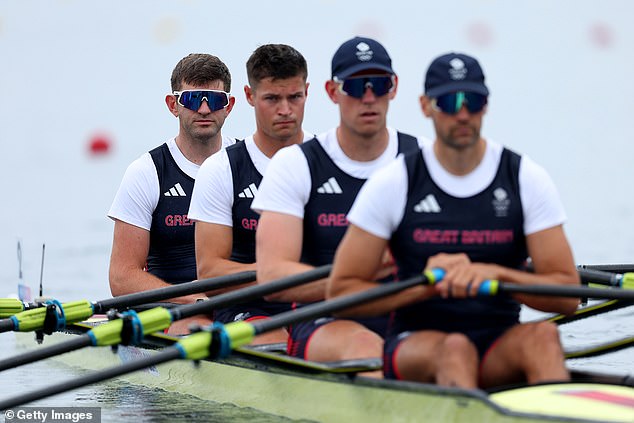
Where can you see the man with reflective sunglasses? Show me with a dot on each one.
(307, 190)
(228, 181)
(153, 244)
(477, 210)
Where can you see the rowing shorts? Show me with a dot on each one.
(250, 311)
(301, 333)
(483, 339)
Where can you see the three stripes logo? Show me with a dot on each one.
(427, 205)
(249, 192)
(331, 186)
(175, 191)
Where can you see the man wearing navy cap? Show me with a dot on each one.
(478, 210)
(309, 188)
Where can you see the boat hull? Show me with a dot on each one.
(273, 384)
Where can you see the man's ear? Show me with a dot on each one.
(248, 93)
(172, 105)
(331, 89)
(425, 105)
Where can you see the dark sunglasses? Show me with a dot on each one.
(452, 103)
(355, 87)
(193, 99)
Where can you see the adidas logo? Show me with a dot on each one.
(427, 205)
(175, 191)
(331, 186)
(249, 192)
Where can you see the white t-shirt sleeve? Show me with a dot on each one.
(541, 203)
(285, 187)
(212, 198)
(380, 204)
(138, 194)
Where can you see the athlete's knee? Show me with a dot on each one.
(457, 344)
(368, 339)
(541, 336)
(545, 332)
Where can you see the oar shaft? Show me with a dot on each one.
(615, 268)
(250, 293)
(197, 346)
(590, 311)
(598, 276)
(325, 308)
(32, 356)
(165, 355)
(160, 318)
(495, 287)
(179, 290)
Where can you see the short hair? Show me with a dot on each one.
(200, 69)
(277, 61)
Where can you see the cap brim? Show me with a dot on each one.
(362, 67)
(474, 87)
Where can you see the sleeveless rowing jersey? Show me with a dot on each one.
(246, 180)
(172, 256)
(332, 193)
(488, 227)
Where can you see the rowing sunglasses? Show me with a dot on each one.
(452, 103)
(355, 87)
(193, 99)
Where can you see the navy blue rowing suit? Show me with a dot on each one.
(171, 256)
(246, 179)
(488, 227)
(331, 196)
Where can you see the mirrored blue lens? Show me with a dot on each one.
(194, 99)
(355, 87)
(452, 103)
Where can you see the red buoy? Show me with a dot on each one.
(99, 145)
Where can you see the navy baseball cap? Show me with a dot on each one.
(360, 54)
(454, 72)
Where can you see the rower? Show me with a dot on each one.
(502, 208)
(153, 244)
(228, 181)
(308, 189)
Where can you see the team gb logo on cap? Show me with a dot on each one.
(458, 69)
(363, 52)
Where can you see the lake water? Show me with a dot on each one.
(74, 72)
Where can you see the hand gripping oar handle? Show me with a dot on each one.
(494, 287)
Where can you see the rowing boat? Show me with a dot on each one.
(265, 379)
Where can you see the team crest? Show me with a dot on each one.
(501, 202)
